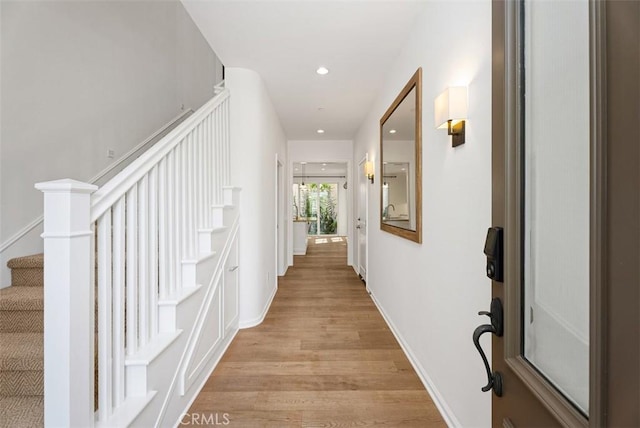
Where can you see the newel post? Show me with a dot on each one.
(68, 304)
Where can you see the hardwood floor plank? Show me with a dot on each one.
(359, 382)
(323, 357)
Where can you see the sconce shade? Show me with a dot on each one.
(451, 105)
(368, 170)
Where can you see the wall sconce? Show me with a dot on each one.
(368, 170)
(450, 109)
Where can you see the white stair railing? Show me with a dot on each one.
(154, 221)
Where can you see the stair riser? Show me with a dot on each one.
(21, 321)
(29, 277)
(17, 383)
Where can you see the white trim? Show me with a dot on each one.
(258, 320)
(22, 232)
(38, 221)
(229, 340)
(125, 414)
(66, 235)
(437, 398)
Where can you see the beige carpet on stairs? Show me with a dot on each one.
(21, 345)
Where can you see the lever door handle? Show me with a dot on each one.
(494, 378)
(231, 269)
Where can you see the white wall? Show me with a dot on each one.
(431, 293)
(324, 151)
(79, 78)
(256, 137)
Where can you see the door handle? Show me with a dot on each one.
(496, 327)
(358, 227)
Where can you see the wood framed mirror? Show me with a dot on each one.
(401, 163)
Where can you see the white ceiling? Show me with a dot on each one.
(286, 41)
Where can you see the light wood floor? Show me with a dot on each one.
(323, 357)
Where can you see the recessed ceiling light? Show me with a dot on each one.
(392, 131)
(323, 169)
(324, 164)
(320, 131)
(322, 70)
(296, 169)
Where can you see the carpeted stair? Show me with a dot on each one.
(21, 344)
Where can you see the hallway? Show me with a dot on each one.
(322, 357)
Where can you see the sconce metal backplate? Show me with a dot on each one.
(457, 133)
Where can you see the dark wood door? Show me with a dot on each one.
(566, 194)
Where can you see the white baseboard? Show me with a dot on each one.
(444, 409)
(258, 320)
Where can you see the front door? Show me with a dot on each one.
(542, 213)
(565, 313)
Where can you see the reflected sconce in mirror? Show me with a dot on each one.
(451, 112)
(368, 170)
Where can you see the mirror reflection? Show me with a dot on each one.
(400, 140)
(395, 195)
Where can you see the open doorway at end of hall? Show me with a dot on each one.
(319, 202)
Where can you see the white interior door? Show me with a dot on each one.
(361, 221)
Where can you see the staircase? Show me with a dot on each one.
(21, 344)
(139, 291)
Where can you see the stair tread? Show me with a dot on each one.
(26, 262)
(22, 411)
(22, 298)
(21, 351)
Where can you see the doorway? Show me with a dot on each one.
(320, 203)
(361, 221)
(280, 229)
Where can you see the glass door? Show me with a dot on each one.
(317, 203)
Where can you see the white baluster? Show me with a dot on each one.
(177, 257)
(105, 308)
(227, 140)
(184, 200)
(190, 205)
(143, 261)
(218, 166)
(209, 176)
(163, 227)
(200, 163)
(153, 252)
(132, 270)
(171, 222)
(118, 277)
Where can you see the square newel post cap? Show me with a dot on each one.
(66, 185)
